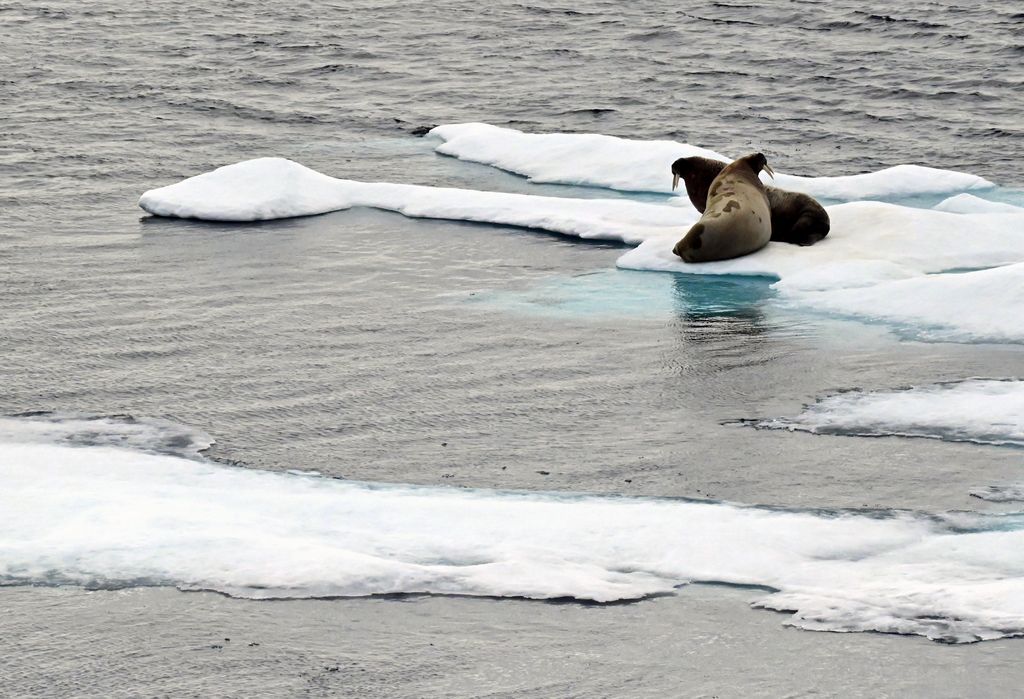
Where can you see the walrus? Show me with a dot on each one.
(796, 218)
(737, 219)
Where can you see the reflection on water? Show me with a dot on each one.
(604, 295)
(721, 322)
(700, 297)
(621, 294)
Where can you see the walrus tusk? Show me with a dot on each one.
(768, 169)
(675, 181)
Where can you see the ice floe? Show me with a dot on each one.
(982, 306)
(986, 411)
(643, 166)
(881, 261)
(916, 240)
(271, 188)
(108, 516)
(893, 264)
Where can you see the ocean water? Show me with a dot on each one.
(370, 347)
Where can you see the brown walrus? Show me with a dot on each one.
(737, 219)
(796, 218)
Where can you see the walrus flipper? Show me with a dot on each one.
(808, 228)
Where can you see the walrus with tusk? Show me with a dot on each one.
(737, 218)
(796, 218)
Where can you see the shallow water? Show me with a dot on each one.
(365, 345)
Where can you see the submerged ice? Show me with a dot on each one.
(986, 411)
(109, 516)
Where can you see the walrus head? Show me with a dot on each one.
(688, 168)
(698, 174)
(758, 162)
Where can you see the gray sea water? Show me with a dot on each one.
(369, 346)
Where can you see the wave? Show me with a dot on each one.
(112, 516)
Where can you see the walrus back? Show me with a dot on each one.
(736, 221)
(797, 218)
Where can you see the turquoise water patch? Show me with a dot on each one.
(619, 293)
(1002, 195)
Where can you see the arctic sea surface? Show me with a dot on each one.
(428, 376)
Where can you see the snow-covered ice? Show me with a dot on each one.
(271, 188)
(986, 411)
(114, 516)
(917, 240)
(643, 166)
(982, 306)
